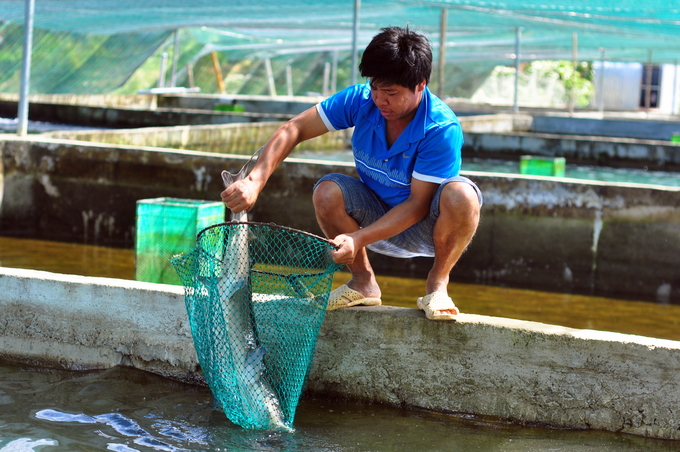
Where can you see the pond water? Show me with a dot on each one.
(576, 311)
(127, 410)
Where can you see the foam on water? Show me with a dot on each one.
(126, 427)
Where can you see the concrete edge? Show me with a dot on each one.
(522, 371)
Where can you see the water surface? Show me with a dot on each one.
(127, 410)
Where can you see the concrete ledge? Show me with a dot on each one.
(79, 322)
(526, 372)
(521, 371)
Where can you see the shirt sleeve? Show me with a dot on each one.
(340, 110)
(439, 154)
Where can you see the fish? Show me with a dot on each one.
(258, 398)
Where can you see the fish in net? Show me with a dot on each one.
(256, 295)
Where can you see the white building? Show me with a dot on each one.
(626, 87)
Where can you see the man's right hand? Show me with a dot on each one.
(241, 195)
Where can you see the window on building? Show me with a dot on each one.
(651, 77)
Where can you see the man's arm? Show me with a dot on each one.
(242, 195)
(395, 221)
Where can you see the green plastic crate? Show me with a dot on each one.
(236, 108)
(542, 166)
(166, 227)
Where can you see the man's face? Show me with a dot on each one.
(396, 102)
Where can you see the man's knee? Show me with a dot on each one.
(459, 198)
(327, 196)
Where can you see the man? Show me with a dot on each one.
(409, 200)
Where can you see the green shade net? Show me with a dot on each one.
(256, 295)
(88, 46)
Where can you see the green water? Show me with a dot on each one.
(127, 410)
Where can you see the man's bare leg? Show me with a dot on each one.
(458, 219)
(329, 206)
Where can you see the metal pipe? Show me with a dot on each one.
(334, 72)
(518, 40)
(574, 56)
(648, 86)
(442, 50)
(22, 117)
(175, 60)
(289, 80)
(162, 70)
(218, 72)
(326, 79)
(674, 105)
(355, 41)
(601, 77)
(270, 77)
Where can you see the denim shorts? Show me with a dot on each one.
(364, 206)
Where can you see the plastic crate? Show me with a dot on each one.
(542, 166)
(166, 227)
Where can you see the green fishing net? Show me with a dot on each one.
(256, 295)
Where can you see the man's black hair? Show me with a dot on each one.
(397, 56)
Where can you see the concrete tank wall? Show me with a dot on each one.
(520, 371)
(577, 149)
(563, 235)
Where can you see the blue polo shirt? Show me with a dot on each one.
(428, 149)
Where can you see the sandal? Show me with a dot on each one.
(344, 297)
(435, 302)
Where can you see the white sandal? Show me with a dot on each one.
(344, 297)
(436, 302)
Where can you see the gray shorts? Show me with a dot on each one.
(364, 206)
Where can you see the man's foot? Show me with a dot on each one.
(438, 306)
(344, 297)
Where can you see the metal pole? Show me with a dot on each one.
(289, 80)
(574, 56)
(175, 60)
(674, 105)
(355, 39)
(648, 87)
(270, 77)
(518, 40)
(601, 77)
(22, 117)
(326, 79)
(442, 51)
(334, 72)
(162, 70)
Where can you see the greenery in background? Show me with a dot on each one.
(578, 79)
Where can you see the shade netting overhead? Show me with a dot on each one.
(103, 43)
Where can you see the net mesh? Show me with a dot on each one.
(256, 295)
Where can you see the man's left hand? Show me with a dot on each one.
(346, 252)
